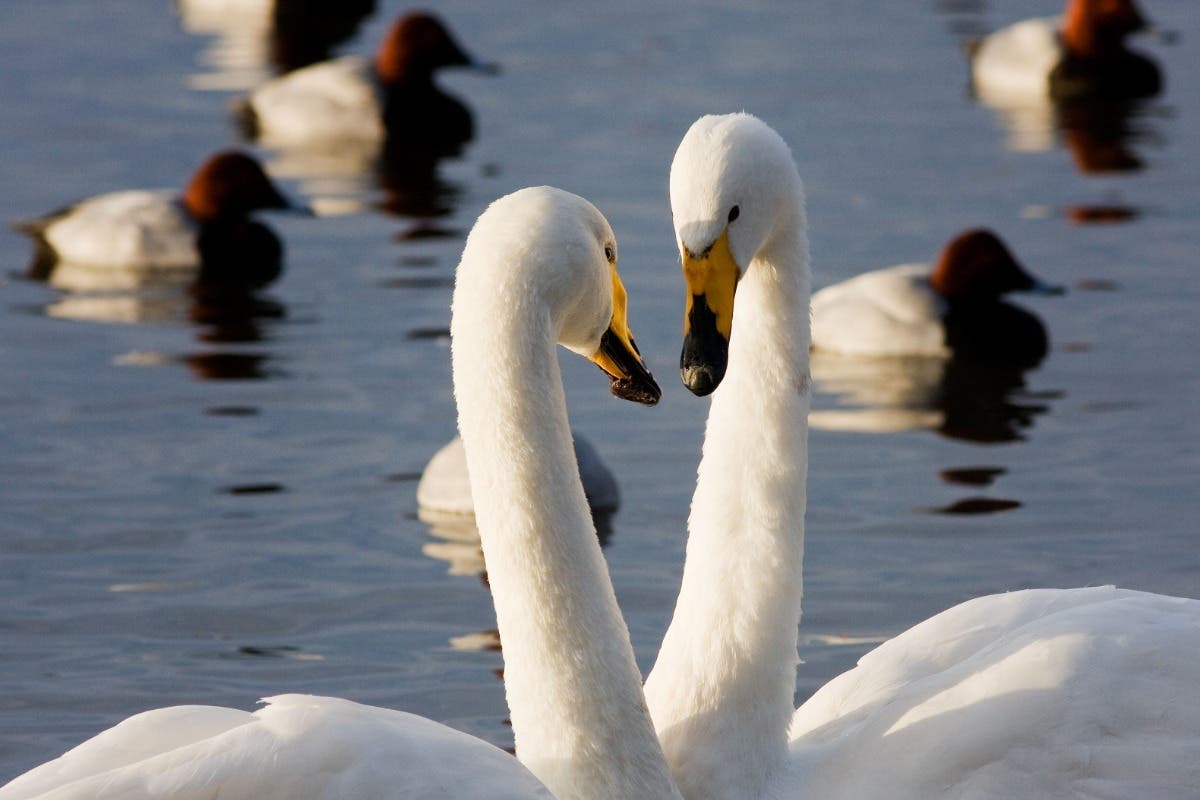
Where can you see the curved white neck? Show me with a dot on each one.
(721, 693)
(573, 687)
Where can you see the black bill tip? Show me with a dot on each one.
(637, 384)
(705, 351)
(644, 390)
(701, 379)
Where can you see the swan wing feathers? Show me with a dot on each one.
(298, 747)
(132, 229)
(1082, 693)
(323, 103)
(886, 312)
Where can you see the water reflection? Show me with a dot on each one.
(959, 398)
(254, 40)
(1070, 81)
(456, 539)
(231, 366)
(223, 311)
(222, 299)
(1099, 135)
(977, 505)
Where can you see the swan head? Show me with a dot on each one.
(734, 188)
(542, 248)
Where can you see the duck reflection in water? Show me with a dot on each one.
(1071, 79)
(341, 123)
(960, 398)
(908, 348)
(255, 40)
(455, 540)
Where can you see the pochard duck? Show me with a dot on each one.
(1080, 55)
(955, 309)
(356, 99)
(154, 230)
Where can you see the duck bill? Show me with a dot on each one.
(619, 357)
(280, 202)
(1028, 283)
(712, 278)
(1037, 287)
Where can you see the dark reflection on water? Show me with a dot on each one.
(1100, 134)
(1105, 214)
(983, 402)
(438, 334)
(972, 476)
(271, 651)
(253, 488)
(304, 32)
(233, 411)
(960, 398)
(977, 505)
(231, 366)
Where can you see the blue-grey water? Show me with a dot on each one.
(211, 513)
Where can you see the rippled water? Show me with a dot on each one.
(202, 508)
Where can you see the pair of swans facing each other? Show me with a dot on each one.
(1044, 693)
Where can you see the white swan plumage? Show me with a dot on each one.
(1080, 693)
(538, 267)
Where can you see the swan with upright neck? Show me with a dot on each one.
(1044, 693)
(539, 267)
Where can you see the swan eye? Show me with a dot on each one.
(610, 253)
(734, 213)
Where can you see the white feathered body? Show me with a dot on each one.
(135, 229)
(296, 746)
(1016, 62)
(322, 104)
(887, 312)
(1081, 693)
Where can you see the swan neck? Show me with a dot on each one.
(724, 682)
(573, 687)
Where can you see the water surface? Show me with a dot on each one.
(198, 513)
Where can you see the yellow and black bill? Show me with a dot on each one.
(619, 357)
(712, 277)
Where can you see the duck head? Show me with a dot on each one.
(228, 186)
(418, 44)
(976, 266)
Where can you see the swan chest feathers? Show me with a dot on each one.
(296, 746)
(1083, 693)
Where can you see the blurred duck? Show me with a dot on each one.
(445, 487)
(391, 98)
(253, 39)
(141, 231)
(907, 310)
(1081, 55)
